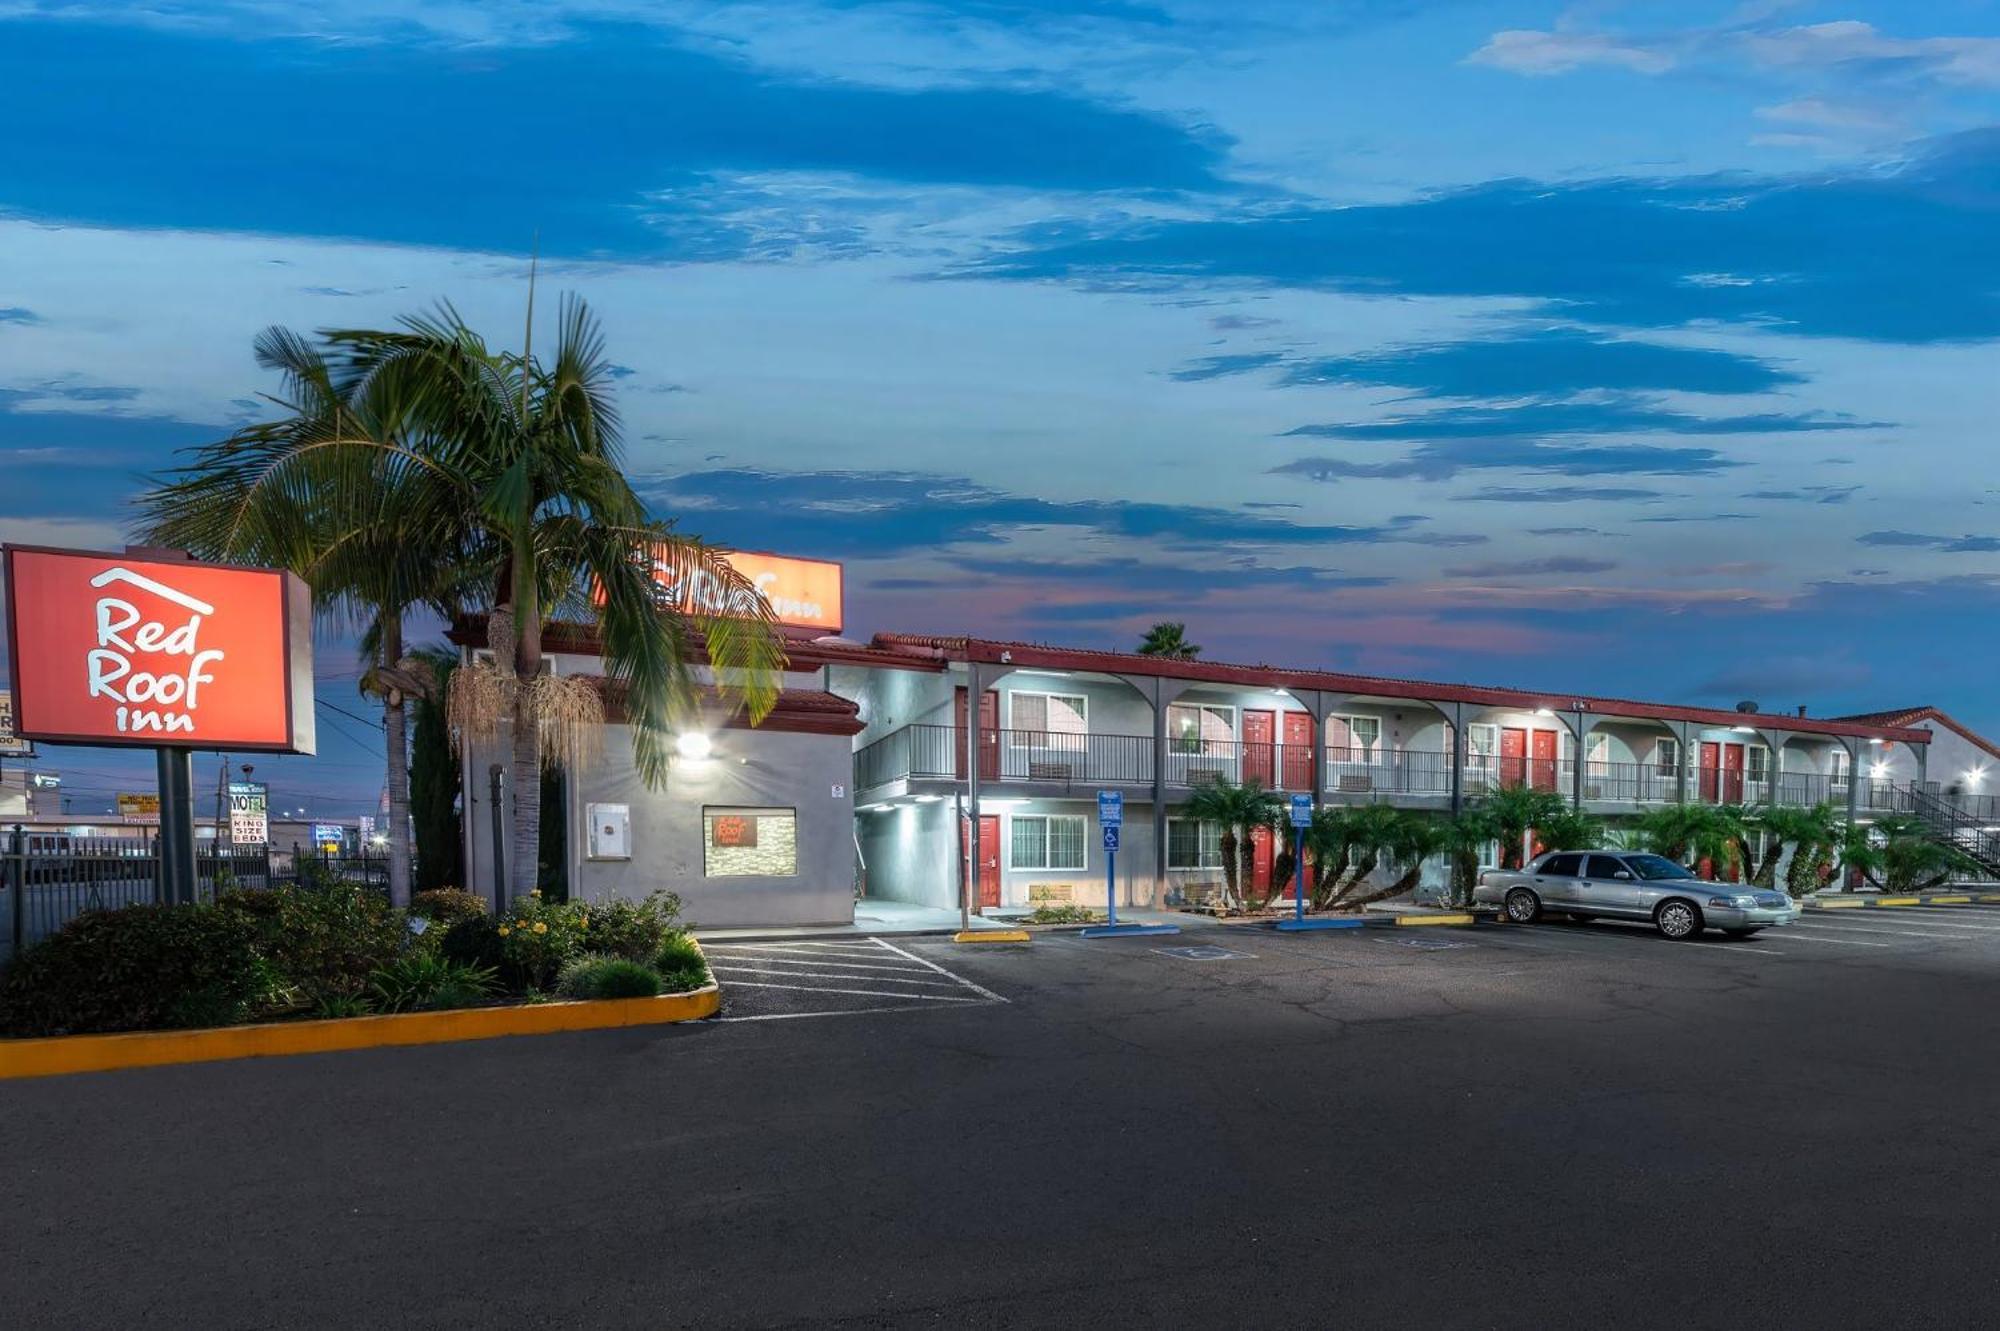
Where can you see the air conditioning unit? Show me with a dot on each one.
(1047, 771)
(1356, 783)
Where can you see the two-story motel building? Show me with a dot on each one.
(879, 776)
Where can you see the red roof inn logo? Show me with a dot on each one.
(111, 649)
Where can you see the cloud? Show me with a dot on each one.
(1858, 47)
(1949, 544)
(1531, 567)
(860, 514)
(1446, 459)
(1560, 494)
(1216, 367)
(1787, 676)
(1623, 251)
(14, 314)
(1613, 416)
(482, 157)
(1524, 51)
(1809, 494)
(1567, 531)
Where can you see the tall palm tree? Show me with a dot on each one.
(1412, 842)
(1515, 810)
(1329, 843)
(1466, 837)
(1169, 640)
(528, 453)
(1898, 853)
(1236, 809)
(1372, 830)
(332, 491)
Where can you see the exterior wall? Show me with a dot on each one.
(911, 854)
(1085, 886)
(749, 768)
(892, 699)
(1112, 706)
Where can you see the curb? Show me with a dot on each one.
(1899, 903)
(992, 936)
(59, 1055)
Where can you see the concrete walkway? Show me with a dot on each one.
(901, 917)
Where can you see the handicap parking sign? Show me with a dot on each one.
(1110, 808)
(1111, 837)
(1302, 811)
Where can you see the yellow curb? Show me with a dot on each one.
(1989, 900)
(1838, 905)
(1434, 919)
(57, 1055)
(1947, 901)
(991, 936)
(1897, 901)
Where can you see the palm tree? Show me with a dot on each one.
(1373, 830)
(528, 454)
(1466, 837)
(1170, 641)
(333, 491)
(1236, 809)
(1515, 810)
(1413, 841)
(1571, 829)
(1784, 826)
(1329, 843)
(434, 781)
(1898, 853)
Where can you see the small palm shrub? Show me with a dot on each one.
(426, 982)
(680, 964)
(607, 977)
(140, 968)
(1062, 915)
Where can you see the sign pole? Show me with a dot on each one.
(176, 776)
(1110, 821)
(1299, 881)
(1302, 817)
(1110, 880)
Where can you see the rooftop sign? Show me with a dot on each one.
(122, 650)
(803, 593)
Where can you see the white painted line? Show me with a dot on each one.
(1898, 933)
(765, 959)
(827, 975)
(975, 988)
(1738, 947)
(865, 993)
(859, 948)
(1881, 922)
(1851, 942)
(837, 1012)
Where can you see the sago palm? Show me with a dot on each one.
(1514, 810)
(1413, 841)
(1235, 810)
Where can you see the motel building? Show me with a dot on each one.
(878, 779)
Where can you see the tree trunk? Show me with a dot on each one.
(394, 715)
(1357, 876)
(1407, 882)
(1327, 884)
(1230, 867)
(525, 773)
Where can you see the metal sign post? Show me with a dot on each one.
(1302, 817)
(1111, 820)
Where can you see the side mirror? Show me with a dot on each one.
(1626, 874)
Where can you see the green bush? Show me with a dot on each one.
(341, 1006)
(607, 977)
(140, 968)
(1063, 915)
(426, 982)
(473, 942)
(537, 937)
(684, 980)
(323, 942)
(680, 964)
(633, 930)
(446, 906)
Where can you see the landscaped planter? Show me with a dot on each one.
(56, 1055)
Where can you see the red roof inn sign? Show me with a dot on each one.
(158, 652)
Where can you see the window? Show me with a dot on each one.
(1193, 845)
(1353, 738)
(1667, 757)
(1560, 866)
(1603, 867)
(1842, 761)
(1051, 841)
(1482, 742)
(1201, 728)
(1047, 719)
(1759, 763)
(750, 843)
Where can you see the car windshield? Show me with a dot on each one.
(1656, 867)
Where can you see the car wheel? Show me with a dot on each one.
(1678, 920)
(1743, 933)
(1523, 906)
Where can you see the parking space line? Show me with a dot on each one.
(908, 956)
(836, 1012)
(1905, 933)
(1957, 926)
(825, 975)
(1737, 947)
(1851, 942)
(767, 959)
(866, 993)
(801, 949)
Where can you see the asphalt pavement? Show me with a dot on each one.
(1551, 1126)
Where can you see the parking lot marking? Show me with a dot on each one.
(907, 956)
(1737, 947)
(869, 993)
(736, 968)
(808, 961)
(1957, 925)
(1909, 933)
(1804, 937)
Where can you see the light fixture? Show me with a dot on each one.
(1877, 741)
(1877, 771)
(1975, 776)
(1544, 711)
(694, 744)
(929, 799)
(1742, 730)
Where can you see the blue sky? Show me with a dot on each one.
(1626, 347)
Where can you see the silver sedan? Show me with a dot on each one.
(1630, 886)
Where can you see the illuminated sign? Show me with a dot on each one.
(139, 806)
(249, 813)
(804, 593)
(116, 649)
(11, 744)
(735, 830)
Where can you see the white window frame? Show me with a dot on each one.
(1841, 768)
(1751, 754)
(1369, 754)
(1202, 844)
(1475, 760)
(1017, 737)
(1202, 741)
(1082, 842)
(1662, 764)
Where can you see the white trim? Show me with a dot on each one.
(1083, 843)
(1171, 867)
(1014, 732)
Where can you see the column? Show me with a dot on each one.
(975, 692)
(1460, 748)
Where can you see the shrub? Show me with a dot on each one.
(323, 942)
(607, 977)
(680, 964)
(425, 982)
(684, 980)
(633, 930)
(537, 937)
(342, 1006)
(446, 906)
(473, 942)
(140, 968)
(1063, 915)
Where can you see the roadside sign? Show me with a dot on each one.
(249, 813)
(1111, 836)
(1302, 811)
(1110, 808)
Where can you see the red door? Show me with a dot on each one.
(1732, 774)
(1259, 755)
(1513, 756)
(1260, 859)
(989, 735)
(1711, 765)
(1298, 751)
(989, 857)
(1542, 771)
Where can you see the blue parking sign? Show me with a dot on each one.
(1302, 811)
(1111, 836)
(1110, 809)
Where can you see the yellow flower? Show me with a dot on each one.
(504, 931)
(541, 928)
(537, 892)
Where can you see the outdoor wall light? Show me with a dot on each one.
(929, 799)
(1876, 771)
(694, 744)
(1544, 711)
(1974, 776)
(1877, 741)
(1742, 730)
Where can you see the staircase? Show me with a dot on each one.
(1952, 826)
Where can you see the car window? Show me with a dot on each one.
(1604, 866)
(1656, 867)
(1560, 866)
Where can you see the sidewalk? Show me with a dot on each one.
(901, 917)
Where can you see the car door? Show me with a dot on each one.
(1609, 888)
(1554, 880)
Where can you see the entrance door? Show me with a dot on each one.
(1542, 771)
(1721, 773)
(1732, 774)
(989, 735)
(1513, 756)
(1259, 755)
(1298, 751)
(988, 877)
(1260, 859)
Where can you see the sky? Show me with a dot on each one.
(1628, 348)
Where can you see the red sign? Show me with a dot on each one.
(805, 593)
(116, 649)
(735, 830)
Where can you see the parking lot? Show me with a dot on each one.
(1551, 1125)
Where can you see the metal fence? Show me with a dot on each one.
(48, 879)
